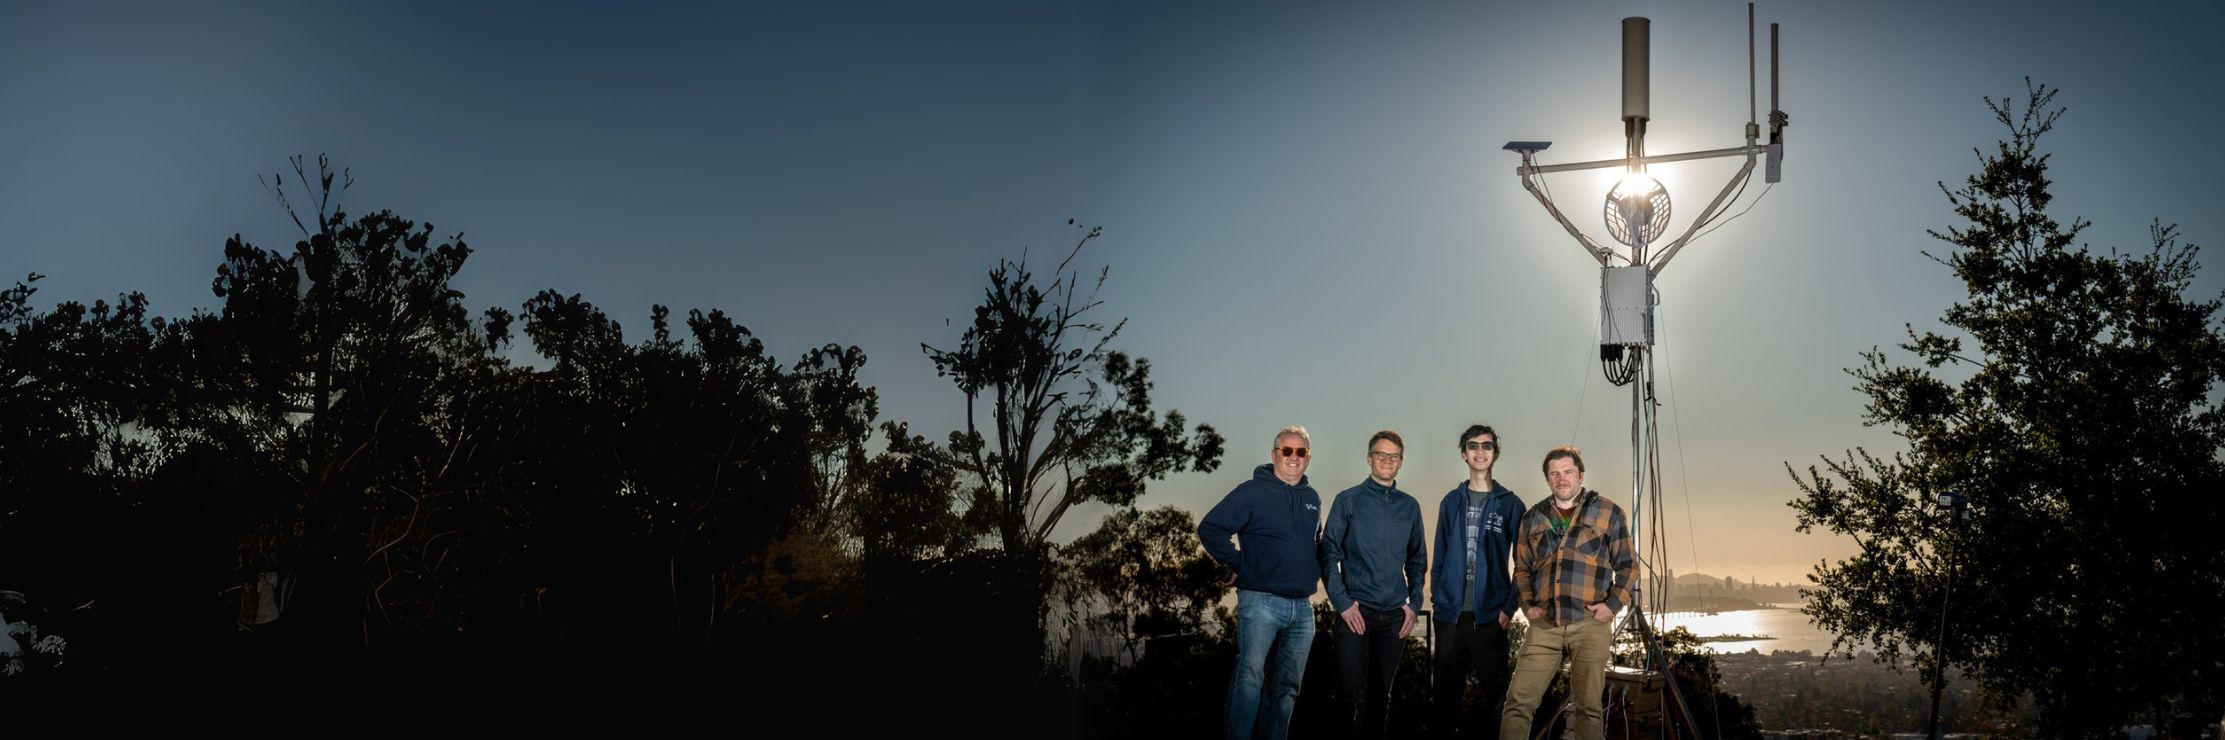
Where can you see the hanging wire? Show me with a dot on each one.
(1582, 386)
(1683, 468)
(1073, 95)
(1653, 472)
(1726, 221)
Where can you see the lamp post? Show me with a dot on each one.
(1957, 506)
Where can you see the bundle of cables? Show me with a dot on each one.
(1621, 365)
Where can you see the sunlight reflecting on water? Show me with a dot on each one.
(1790, 628)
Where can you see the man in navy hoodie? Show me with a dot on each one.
(1277, 517)
(1471, 591)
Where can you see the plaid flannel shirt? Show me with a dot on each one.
(1565, 574)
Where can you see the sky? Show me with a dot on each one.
(1307, 214)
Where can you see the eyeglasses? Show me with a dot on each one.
(1479, 446)
(1293, 451)
(1387, 456)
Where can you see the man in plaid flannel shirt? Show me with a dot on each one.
(1572, 570)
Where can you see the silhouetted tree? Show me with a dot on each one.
(313, 431)
(841, 413)
(2086, 433)
(911, 511)
(339, 460)
(663, 473)
(1054, 418)
(1069, 419)
(1147, 572)
(80, 388)
(342, 364)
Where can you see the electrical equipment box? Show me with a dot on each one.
(1626, 306)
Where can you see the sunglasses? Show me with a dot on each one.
(1479, 446)
(1293, 451)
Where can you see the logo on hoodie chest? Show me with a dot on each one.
(1495, 524)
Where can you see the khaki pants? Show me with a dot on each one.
(1585, 643)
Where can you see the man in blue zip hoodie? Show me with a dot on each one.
(1471, 591)
(1277, 517)
(1373, 560)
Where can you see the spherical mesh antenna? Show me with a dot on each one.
(1637, 210)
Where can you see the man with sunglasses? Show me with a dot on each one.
(1276, 516)
(1373, 560)
(1471, 592)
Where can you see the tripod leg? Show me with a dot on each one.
(1668, 674)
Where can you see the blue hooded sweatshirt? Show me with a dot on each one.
(1502, 513)
(1277, 523)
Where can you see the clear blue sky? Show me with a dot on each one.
(1307, 213)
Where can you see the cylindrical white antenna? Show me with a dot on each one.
(1635, 105)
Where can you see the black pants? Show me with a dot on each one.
(1367, 663)
(1461, 647)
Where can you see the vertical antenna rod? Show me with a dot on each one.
(1751, 129)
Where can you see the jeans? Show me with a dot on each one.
(1266, 625)
(1586, 643)
(1367, 663)
(1480, 646)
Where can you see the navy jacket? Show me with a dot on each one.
(1277, 523)
(1372, 550)
(1502, 513)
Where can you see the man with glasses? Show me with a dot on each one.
(1275, 516)
(1373, 560)
(1471, 591)
(1572, 568)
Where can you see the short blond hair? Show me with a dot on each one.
(1290, 430)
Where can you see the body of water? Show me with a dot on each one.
(1786, 624)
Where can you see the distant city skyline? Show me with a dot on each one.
(1308, 218)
